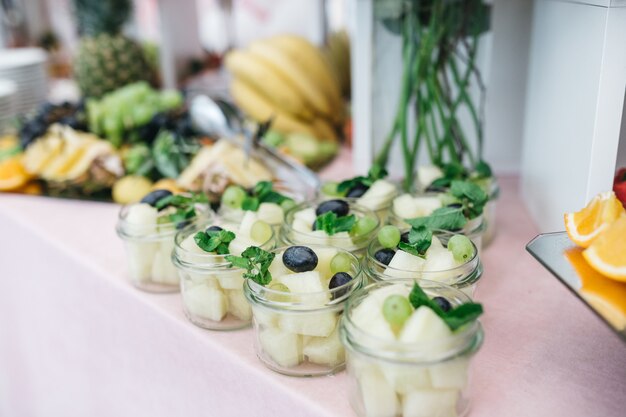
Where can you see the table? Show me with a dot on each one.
(77, 340)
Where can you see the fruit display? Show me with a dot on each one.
(297, 294)
(148, 229)
(106, 58)
(332, 222)
(211, 288)
(409, 348)
(420, 254)
(600, 228)
(268, 204)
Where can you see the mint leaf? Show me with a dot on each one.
(419, 298)
(444, 218)
(214, 241)
(256, 262)
(375, 173)
(421, 239)
(262, 187)
(250, 204)
(346, 185)
(262, 192)
(331, 224)
(472, 197)
(463, 314)
(408, 248)
(483, 170)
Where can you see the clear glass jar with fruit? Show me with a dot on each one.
(297, 295)
(148, 229)
(448, 258)
(332, 222)
(211, 287)
(409, 348)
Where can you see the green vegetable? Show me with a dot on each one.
(455, 318)
(331, 224)
(420, 239)
(214, 241)
(471, 196)
(256, 262)
(445, 218)
(138, 160)
(375, 173)
(185, 206)
(171, 154)
(263, 192)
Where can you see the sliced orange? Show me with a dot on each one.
(585, 225)
(12, 174)
(607, 254)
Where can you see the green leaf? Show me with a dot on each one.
(483, 170)
(408, 248)
(346, 185)
(421, 239)
(377, 172)
(256, 262)
(250, 204)
(472, 196)
(419, 298)
(214, 241)
(463, 314)
(262, 187)
(444, 218)
(331, 224)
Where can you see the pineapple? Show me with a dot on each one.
(106, 59)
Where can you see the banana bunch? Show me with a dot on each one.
(337, 50)
(292, 80)
(69, 157)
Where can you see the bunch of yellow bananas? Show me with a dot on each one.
(291, 79)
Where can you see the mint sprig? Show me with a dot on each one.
(420, 239)
(444, 218)
(256, 262)
(185, 206)
(331, 224)
(454, 318)
(214, 241)
(375, 173)
(263, 192)
(471, 196)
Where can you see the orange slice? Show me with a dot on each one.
(607, 254)
(12, 174)
(607, 296)
(585, 225)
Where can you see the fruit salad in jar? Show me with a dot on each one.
(148, 229)
(332, 222)
(297, 294)
(408, 349)
(211, 287)
(421, 254)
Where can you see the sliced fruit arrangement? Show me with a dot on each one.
(600, 227)
(408, 322)
(269, 204)
(315, 279)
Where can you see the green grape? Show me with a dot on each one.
(170, 99)
(233, 196)
(142, 115)
(340, 263)
(261, 232)
(389, 236)
(397, 309)
(363, 226)
(114, 129)
(287, 204)
(330, 189)
(277, 286)
(461, 247)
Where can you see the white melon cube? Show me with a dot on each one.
(324, 256)
(245, 227)
(278, 268)
(450, 374)
(369, 317)
(307, 216)
(307, 283)
(308, 324)
(426, 174)
(230, 279)
(341, 240)
(379, 397)
(324, 350)
(430, 403)
(425, 326)
(282, 347)
(240, 244)
(405, 207)
(378, 195)
(317, 237)
(405, 378)
(264, 317)
(439, 264)
(404, 265)
(205, 302)
(426, 205)
(140, 260)
(271, 213)
(238, 305)
(163, 270)
(141, 219)
(301, 226)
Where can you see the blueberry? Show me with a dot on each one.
(183, 224)
(404, 237)
(300, 259)
(443, 303)
(357, 191)
(339, 279)
(339, 207)
(213, 229)
(384, 255)
(153, 197)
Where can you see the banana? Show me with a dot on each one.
(325, 131)
(311, 59)
(261, 109)
(299, 77)
(268, 82)
(338, 50)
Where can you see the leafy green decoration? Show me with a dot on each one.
(331, 224)
(215, 241)
(256, 262)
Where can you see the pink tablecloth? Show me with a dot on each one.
(77, 340)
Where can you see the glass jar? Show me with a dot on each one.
(296, 334)
(290, 235)
(211, 288)
(392, 378)
(381, 205)
(149, 250)
(463, 277)
(490, 213)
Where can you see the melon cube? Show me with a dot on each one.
(317, 237)
(425, 326)
(429, 403)
(341, 240)
(141, 219)
(205, 302)
(230, 279)
(379, 397)
(405, 207)
(140, 260)
(450, 374)
(307, 283)
(308, 324)
(282, 347)
(426, 205)
(378, 195)
(439, 265)
(245, 227)
(324, 256)
(278, 268)
(307, 216)
(238, 305)
(271, 213)
(163, 270)
(240, 244)
(405, 378)
(404, 265)
(426, 174)
(265, 318)
(324, 350)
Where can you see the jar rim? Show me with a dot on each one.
(321, 196)
(203, 212)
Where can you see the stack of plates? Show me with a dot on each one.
(27, 68)
(8, 101)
